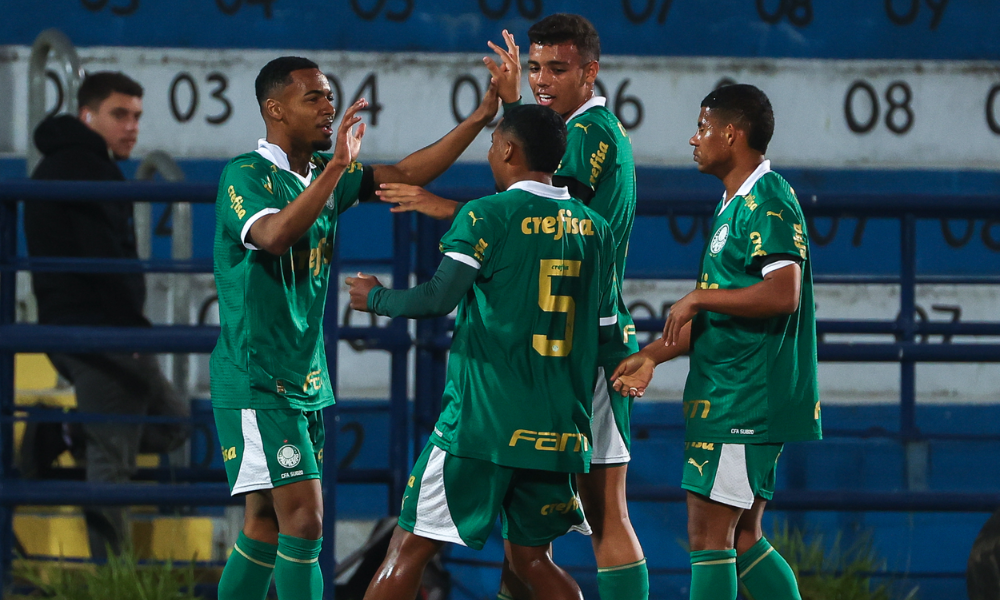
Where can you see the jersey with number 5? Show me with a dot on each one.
(524, 353)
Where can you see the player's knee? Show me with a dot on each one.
(304, 522)
(527, 563)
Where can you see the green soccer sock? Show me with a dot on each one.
(624, 582)
(765, 574)
(713, 575)
(296, 570)
(247, 575)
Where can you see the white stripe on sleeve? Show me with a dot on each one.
(778, 264)
(250, 222)
(609, 320)
(465, 259)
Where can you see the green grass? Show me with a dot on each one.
(121, 578)
(835, 571)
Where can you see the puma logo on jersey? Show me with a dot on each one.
(474, 218)
(692, 462)
(250, 166)
(583, 127)
(775, 214)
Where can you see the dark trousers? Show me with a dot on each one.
(123, 384)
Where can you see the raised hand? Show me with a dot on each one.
(360, 287)
(507, 74)
(415, 198)
(348, 141)
(489, 107)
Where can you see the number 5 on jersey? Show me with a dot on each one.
(549, 302)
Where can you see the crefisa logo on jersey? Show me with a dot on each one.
(719, 239)
(289, 456)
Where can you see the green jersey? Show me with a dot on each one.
(754, 380)
(521, 371)
(599, 157)
(270, 353)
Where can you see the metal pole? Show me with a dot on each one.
(331, 420)
(179, 284)
(916, 451)
(55, 42)
(399, 462)
(8, 251)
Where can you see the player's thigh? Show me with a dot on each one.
(610, 423)
(602, 492)
(264, 449)
(453, 499)
(540, 507)
(732, 474)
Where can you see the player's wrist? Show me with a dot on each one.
(507, 105)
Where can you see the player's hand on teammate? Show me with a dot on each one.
(680, 313)
(360, 287)
(506, 74)
(633, 375)
(413, 197)
(348, 142)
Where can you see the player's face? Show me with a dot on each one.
(711, 143)
(117, 121)
(559, 77)
(308, 109)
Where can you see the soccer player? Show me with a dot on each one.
(515, 422)
(598, 169)
(276, 217)
(750, 328)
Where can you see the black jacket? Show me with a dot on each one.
(72, 151)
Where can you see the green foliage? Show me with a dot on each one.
(121, 578)
(834, 571)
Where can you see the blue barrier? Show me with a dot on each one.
(415, 249)
(204, 489)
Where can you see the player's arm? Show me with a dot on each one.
(776, 294)
(424, 165)
(435, 298)
(506, 75)
(276, 232)
(633, 374)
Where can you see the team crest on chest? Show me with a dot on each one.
(719, 239)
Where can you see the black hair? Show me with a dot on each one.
(96, 88)
(564, 27)
(746, 107)
(277, 74)
(542, 133)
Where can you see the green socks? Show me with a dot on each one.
(296, 570)
(247, 575)
(765, 574)
(624, 582)
(713, 575)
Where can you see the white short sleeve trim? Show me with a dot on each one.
(778, 264)
(251, 221)
(465, 259)
(605, 321)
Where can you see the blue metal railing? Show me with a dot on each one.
(16, 338)
(418, 246)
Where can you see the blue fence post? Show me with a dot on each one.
(915, 467)
(331, 420)
(8, 285)
(399, 462)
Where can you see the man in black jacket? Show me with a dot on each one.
(85, 148)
